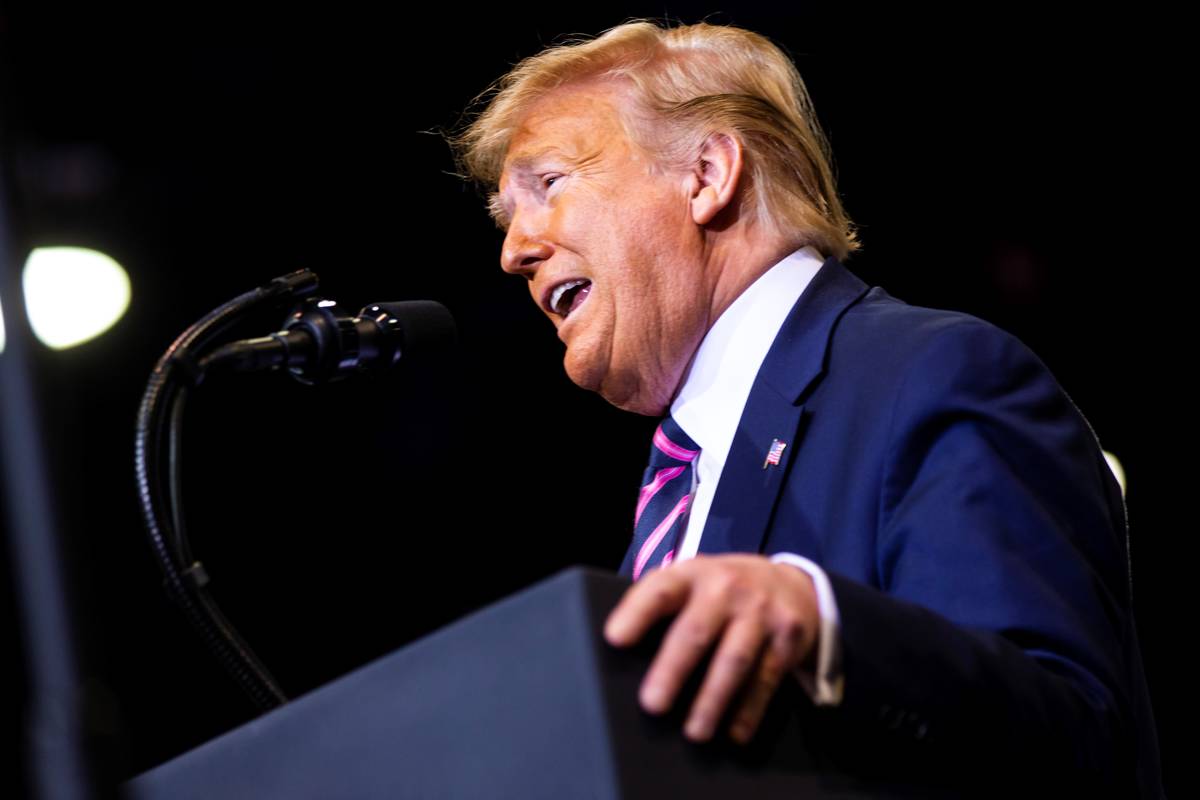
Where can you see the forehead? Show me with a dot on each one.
(573, 123)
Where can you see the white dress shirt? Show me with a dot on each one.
(709, 406)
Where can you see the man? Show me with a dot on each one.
(897, 505)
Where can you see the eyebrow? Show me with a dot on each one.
(526, 162)
(524, 165)
(497, 211)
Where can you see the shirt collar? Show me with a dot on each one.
(718, 382)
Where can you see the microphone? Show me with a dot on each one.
(319, 343)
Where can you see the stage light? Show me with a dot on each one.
(1118, 471)
(73, 294)
(1, 327)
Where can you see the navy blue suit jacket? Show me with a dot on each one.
(974, 536)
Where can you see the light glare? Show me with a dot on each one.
(1, 327)
(73, 294)
(1118, 471)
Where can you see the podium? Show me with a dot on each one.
(523, 699)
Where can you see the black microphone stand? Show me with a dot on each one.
(157, 442)
(318, 344)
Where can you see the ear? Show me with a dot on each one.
(716, 176)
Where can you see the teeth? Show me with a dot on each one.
(557, 295)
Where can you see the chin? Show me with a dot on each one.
(623, 390)
(583, 373)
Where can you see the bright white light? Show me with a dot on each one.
(1, 328)
(73, 294)
(1117, 470)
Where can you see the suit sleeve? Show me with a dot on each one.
(994, 642)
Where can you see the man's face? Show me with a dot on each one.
(608, 245)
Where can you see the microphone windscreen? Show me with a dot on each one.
(427, 328)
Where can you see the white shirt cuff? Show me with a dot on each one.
(825, 687)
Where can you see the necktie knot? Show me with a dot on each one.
(672, 445)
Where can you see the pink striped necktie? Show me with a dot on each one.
(666, 494)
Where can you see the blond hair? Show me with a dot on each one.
(700, 79)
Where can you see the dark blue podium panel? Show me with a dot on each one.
(523, 699)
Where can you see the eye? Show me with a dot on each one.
(550, 179)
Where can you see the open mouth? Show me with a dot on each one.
(568, 296)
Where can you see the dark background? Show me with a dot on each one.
(1011, 163)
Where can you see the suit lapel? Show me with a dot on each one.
(774, 414)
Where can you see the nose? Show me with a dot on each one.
(525, 247)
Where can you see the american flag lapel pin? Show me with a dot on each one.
(775, 453)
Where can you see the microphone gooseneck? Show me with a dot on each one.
(317, 344)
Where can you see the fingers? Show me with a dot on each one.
(688, 639)
(761, 689)
(659, 594)
(762, 617)
(736, 657)
(791, 634)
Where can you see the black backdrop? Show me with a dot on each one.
(1009, 163)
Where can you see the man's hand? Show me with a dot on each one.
(763, 615)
